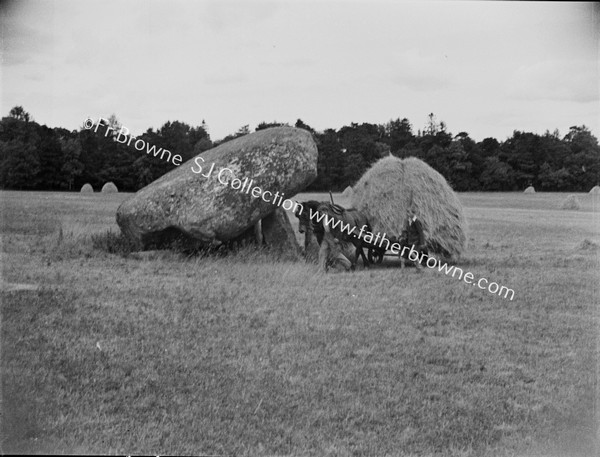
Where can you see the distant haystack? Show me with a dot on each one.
(109, 188)
(595, 190)
(87, 188)
(348, 191)
(587, 245)
(387, 190)
(529, 190)
(571, 203)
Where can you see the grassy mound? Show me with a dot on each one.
(571, 203)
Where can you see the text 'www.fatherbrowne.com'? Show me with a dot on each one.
(123, 137)
(410, 253)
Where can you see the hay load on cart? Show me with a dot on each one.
(392, 185)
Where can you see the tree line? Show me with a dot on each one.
(37, 157)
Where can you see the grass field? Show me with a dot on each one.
(240, 355)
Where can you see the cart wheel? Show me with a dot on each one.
(375, 256)
(370, 256)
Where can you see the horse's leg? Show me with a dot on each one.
(348, 265)
(311, 247)
(354, 260)
(360, 252)
(341, 254)
(324, 255)
(325, 249)
(329, 250)
(357, 252)
(365, 260)
(402, 259)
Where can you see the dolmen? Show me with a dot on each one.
(239, 187)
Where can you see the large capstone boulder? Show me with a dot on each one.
(216, 196)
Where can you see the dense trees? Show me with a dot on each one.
(34, 156)
(37, 157)
(545, 161)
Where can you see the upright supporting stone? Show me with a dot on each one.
(279, 235)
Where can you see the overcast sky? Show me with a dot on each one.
(486, 68)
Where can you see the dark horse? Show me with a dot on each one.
(303, 211)
(335, 228)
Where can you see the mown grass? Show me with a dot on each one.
(243, 355)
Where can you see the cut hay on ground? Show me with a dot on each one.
(529, 190)
(595, 190)
(571, 203)
(348, 191)
(387, 190)
(109, 188)
(87, 188)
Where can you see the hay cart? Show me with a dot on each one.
(377, 253)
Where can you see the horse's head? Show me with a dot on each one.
(302, 214)
(302, 211)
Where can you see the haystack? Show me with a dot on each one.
(348, 191)
(571, 203)
(86, 188)
(529, 190)
(587, 245)
(595, 190)
(109, 188)
(387, 190)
